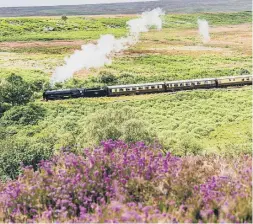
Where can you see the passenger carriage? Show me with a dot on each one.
(191, 84)
(136, 89)
(235, 80)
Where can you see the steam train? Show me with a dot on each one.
(155, 87)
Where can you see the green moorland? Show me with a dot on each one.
(158, 56)
(192, 122)
(88, 28)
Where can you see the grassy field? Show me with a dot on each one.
(195, 122)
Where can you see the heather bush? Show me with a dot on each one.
(119, 182)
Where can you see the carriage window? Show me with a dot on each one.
(181, 84)
(233, 79)
(230, 80)
(134, 88)
(242, 79)
(152, 87)
(206, 82)
(113, 90)
(176, 85)
(193, 84)
(129, 89)
(160, 86)
(121, 90)
(187, 84)
(198, 83)
(247, 79)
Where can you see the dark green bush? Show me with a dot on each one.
(244, 71)
(106, 77)
(21, 152)
(15, 91)
(39, 85)
(4, 107)
(23, 115)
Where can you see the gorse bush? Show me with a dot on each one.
(120, 182)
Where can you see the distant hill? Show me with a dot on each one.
(184, 6)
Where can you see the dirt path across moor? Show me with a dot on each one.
(24, 44)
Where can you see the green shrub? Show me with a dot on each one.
(4, 107)
(126, 78)
(134, 130)
(15, 91)
(23, 115)
(115, 124)
(106, 77)
(187, 145)
(16, 153)
(39, 85)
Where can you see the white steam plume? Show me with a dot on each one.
(98, 55)
(204, 30)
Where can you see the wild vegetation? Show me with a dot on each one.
(196, 122)
(205, 130)
(90, 28)
(158, 56)
(185, 123)
(120, 182)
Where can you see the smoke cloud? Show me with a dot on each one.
(204, 30)
(98, 55)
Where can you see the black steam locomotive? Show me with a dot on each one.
(157, 87)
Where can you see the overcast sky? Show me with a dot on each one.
(10, 3)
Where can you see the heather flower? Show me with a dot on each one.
(119, 182)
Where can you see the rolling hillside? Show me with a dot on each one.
(182, 6)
